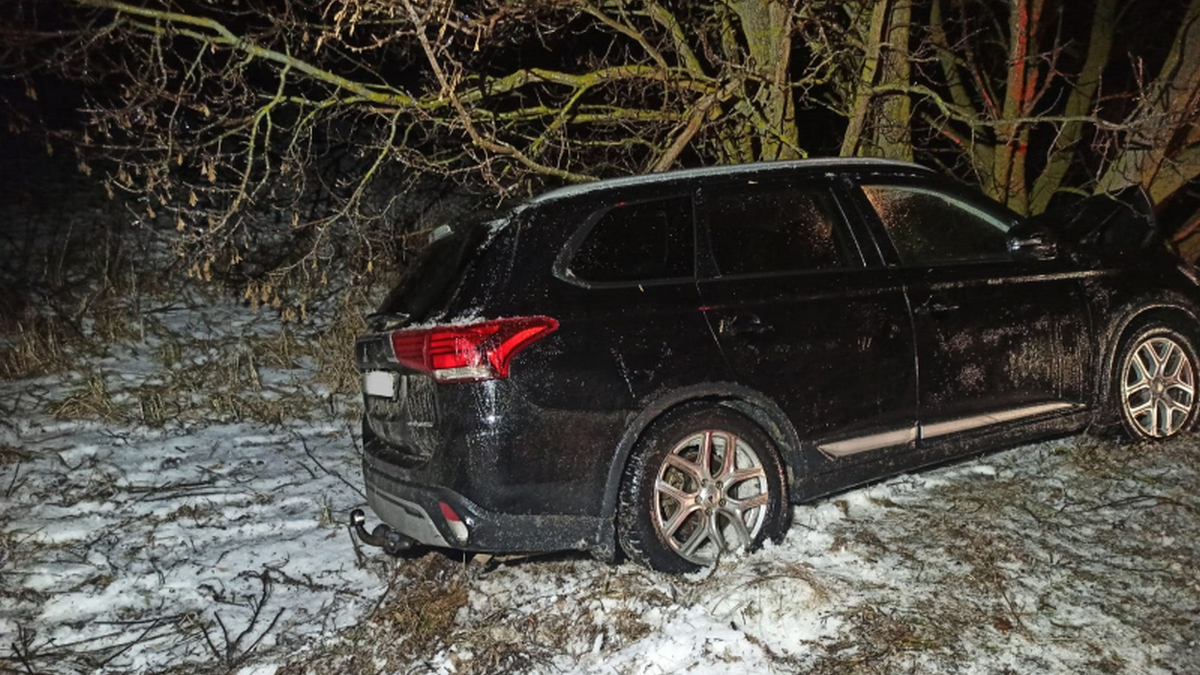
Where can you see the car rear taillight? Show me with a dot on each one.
(472, 352)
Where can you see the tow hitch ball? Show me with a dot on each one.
(382, 536)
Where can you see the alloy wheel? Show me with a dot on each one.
(710, 496)
(1158, 387)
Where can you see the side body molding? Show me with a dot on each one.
(906, 435)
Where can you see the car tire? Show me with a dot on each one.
(1154, 383)
(683, 505)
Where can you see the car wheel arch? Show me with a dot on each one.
(1125, 322)
(753, 405)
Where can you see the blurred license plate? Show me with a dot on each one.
(379, 383)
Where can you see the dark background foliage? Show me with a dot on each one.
(274, 142)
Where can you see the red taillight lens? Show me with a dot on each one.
(472, 352)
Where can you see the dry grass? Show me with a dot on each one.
(91, 400)
(199, 379)
(1007, 548)
(231, 383)
(425, 612)
(277, 411)
(47, 330)
(334, 349)
(35, 346)
(115, 317)
(417, 616)
(15, 552)
(1102, 457)
(93, 294)
(40, 345)
(283, 350)
(876, 642)
(222, 377)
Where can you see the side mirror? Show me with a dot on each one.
(1031, 242)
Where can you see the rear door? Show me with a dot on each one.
(806, 314)
(998, 339)
(627, 303)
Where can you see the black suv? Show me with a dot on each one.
(667, 361)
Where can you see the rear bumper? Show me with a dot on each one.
(415, 511)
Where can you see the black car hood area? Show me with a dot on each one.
(1123, 219)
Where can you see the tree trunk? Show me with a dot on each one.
(767, 28)
(1079, 104)
(892, 129)
(863, 91)
(1154, 155)
(1012, 139)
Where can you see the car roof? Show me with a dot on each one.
(836, 163)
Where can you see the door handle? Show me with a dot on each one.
(743, 324)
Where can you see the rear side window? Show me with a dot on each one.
(645, 241)
(932, 228)
(776, 228)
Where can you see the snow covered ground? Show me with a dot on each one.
(196, 537)
(157, 520)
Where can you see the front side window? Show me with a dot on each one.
(644, 241)
(775, 228)
(932, 228)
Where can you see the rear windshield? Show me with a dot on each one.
(433, 275)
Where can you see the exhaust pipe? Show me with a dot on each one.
(382, 536)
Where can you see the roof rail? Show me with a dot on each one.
(725, 170)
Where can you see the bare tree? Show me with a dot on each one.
(1023, 124)
(211, 114)
(878, 104)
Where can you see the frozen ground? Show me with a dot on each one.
(176, 506)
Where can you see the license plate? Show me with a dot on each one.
(380, 383)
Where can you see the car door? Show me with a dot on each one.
(999, 339)
(627, 299)
(801, 317)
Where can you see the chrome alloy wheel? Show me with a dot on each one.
(710, 496)
(1158, 387)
